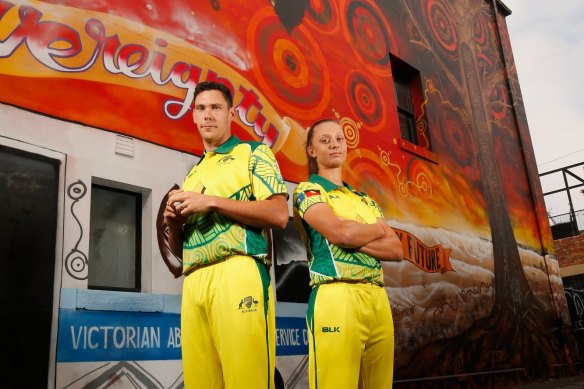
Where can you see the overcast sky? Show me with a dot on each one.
(547, 38)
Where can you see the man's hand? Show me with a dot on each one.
(173, 214)
(174, 219)
(272, 212)
(188, 203)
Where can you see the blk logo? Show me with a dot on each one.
(331, 329)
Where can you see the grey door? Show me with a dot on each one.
(28, 223)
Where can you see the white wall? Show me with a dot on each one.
(90, 157)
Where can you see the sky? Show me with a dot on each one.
(547, 39)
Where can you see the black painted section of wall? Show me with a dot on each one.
(28, 222)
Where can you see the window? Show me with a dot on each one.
(409, 99)
(114, 239)
(405, 109)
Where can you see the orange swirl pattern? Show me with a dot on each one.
(323, 15)
(456, 136)
(369, 34)
(135, 68)
(377, 179)
(419, 179)
(350, 129)
(298, 77)
(442, 25)
(365, 100)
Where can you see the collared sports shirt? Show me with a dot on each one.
(237, 170)
(328, 262)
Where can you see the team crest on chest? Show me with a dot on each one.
(225, 160)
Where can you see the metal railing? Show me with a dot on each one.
(573, 224)
(567, 224)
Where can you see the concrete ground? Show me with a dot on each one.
(575, 382)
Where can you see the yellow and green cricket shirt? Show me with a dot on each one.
(237, 170)
(328, 262)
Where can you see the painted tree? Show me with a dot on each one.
(521, 332)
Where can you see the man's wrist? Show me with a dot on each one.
(213, 203)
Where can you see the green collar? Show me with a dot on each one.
(326, 184)
(227, 146)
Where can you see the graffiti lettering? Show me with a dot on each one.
(46, 41)
(430, 259)
(248, 102)
(575, 300)
(55, 45)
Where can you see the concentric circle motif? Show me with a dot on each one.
(442, 25)
(421, 129)
(384, 157)
(419, 176)
(455, 135)
(290, 68)
(350, 129)
(77, 190)
(365, 100)
(76, 261)
(323, 16)
(76, 265)
(368, 34)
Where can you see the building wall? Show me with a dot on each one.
(570, 254)
(479, 264)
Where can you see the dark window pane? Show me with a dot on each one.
(407, 127)
(402, 92)
(113, 242)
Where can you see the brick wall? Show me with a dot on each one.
(570, 251)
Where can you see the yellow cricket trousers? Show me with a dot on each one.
(228, 326)
(351, 337)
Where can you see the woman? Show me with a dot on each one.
(351, 336)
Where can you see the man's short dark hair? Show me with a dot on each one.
(213, 85)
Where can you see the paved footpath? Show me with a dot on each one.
(575, 382)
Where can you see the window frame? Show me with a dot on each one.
(138, 199)
(409, 77)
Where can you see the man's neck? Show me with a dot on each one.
(209, 147)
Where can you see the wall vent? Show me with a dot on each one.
(124, 145)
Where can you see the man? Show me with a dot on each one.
(218, 222)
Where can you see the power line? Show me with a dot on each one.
(563, 156)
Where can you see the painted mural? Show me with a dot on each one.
(479, 296)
